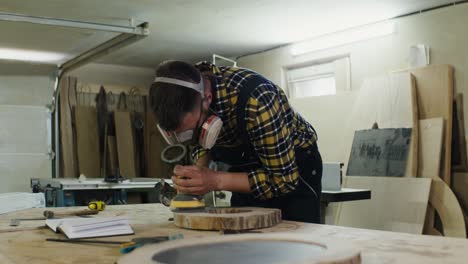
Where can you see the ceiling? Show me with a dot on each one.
(194, 30)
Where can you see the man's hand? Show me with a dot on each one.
(195, 180)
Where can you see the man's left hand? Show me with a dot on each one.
(195, 180)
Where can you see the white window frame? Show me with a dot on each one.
(338, 67)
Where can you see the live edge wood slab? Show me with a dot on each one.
(29, 246)
(229, 218)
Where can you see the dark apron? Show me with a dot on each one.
(302, 204)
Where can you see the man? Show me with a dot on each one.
(238, 117)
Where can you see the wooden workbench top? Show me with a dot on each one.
(29, 246)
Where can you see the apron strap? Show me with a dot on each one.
(244, 94)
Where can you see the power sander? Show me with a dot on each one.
(178, 155)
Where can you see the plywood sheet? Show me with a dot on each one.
(390, 101)
(69, 164)
(435, 99)
(125, 144)
(397, 204)
(87, 138)
(430, 147)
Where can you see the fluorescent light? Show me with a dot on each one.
(31, 55)
(344, 37)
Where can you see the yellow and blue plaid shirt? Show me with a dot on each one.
(274, 128)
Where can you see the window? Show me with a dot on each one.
(319, 79)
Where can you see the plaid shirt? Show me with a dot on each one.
(274, 128)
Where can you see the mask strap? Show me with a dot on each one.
(199, 87)
(197, 130)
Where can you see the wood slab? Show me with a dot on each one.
(87, 141)
(67, 96)
(430, 147)
(247, 248)
(397, 204)
(232, 218)
(435, 99)
(390, 101)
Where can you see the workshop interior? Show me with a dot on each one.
(371, 91)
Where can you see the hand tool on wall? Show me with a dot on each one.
(138, 125)
(125, 246)
(178, 154)
(111, 143)
(101, 107)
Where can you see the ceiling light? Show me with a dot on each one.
(344, 37)
(31, 55)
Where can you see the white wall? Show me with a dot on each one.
(25, 90)
(444, 30)
(116, 75)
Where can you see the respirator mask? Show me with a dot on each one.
(206, 133)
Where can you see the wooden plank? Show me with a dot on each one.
(67, 137)
(397, 204)
(113, 156)
(435, 99)
(446, 205)
(459, 140)
(154, 144)
(232, 218)
(87, 138)
(430, 147)
(125, 144)
(389, 101)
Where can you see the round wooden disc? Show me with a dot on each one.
(230, 218)
(247, 249)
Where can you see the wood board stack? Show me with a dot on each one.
(430, 108)
(131, 139)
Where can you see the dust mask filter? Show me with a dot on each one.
(210, 131)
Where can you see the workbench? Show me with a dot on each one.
(29, 246)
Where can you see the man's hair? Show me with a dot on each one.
(170, 102)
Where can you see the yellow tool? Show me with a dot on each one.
(97, 205)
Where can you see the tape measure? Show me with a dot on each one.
(97, 205)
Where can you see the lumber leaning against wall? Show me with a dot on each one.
(67, 135)
(390, 101)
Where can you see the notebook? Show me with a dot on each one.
(79, 227)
